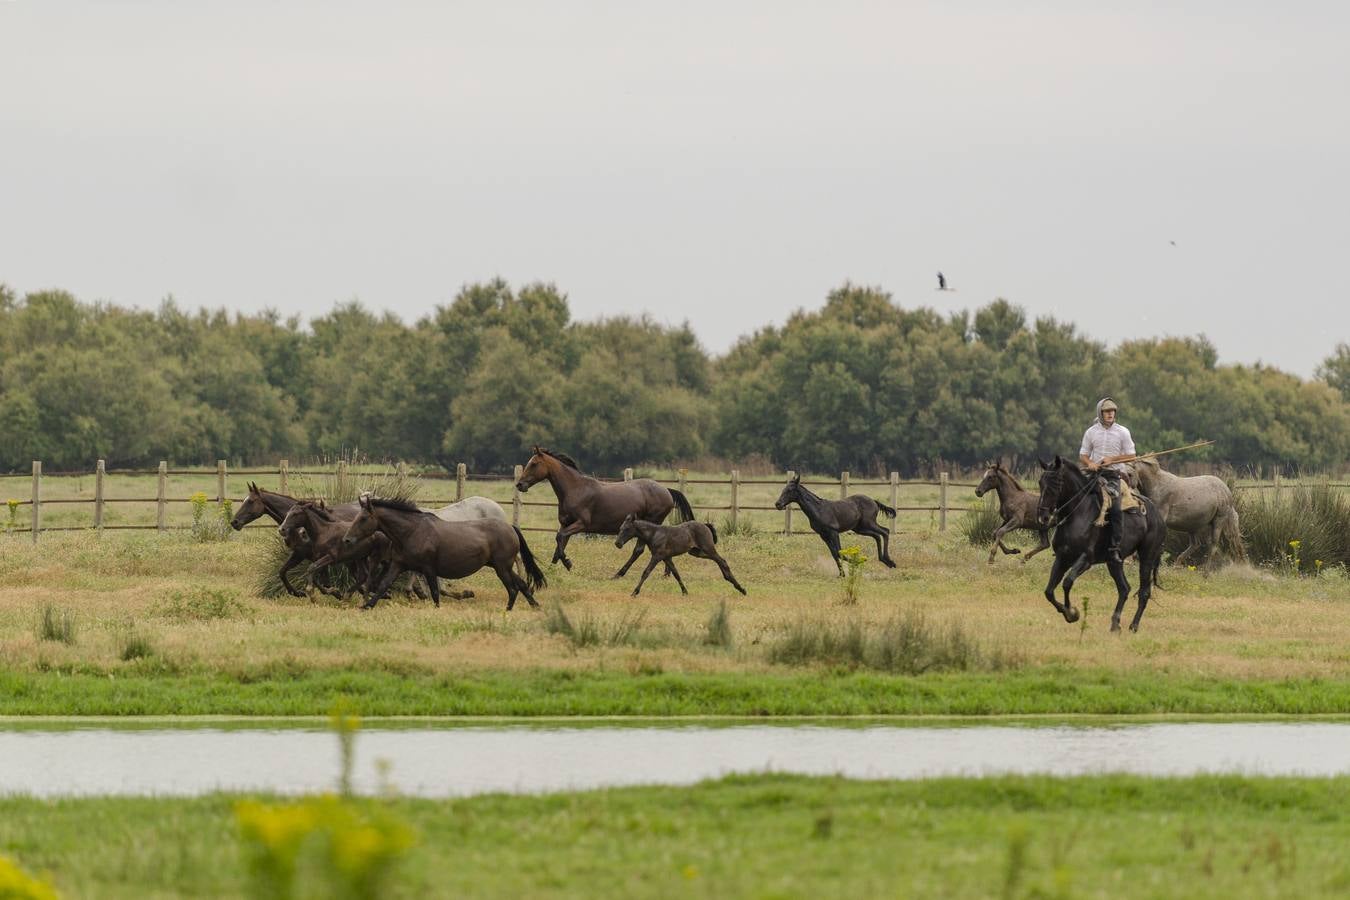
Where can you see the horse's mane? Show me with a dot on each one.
(317, 507)
(400, 505)
(1011, 477)
(560, 457)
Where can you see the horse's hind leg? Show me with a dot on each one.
(1117, 571)
(1147, 565)
(883, 540)
(1044, 545)
(726, 571)
(513, 583)
(670, 567)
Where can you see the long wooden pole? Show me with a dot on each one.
(1162, 452)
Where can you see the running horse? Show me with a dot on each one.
(589, 506)
(1016, 507)
(1071, 501)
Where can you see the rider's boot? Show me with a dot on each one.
(1117, 526)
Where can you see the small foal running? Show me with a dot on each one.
(666, 541)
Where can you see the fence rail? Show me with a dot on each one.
(733, 505)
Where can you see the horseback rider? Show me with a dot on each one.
(1105, 443)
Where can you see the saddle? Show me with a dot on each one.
(1129, 501)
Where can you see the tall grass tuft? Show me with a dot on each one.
(980, 520)
(1306, 531)
(590, 630)
(135, 645)
(719, 627)
(907, 643)
(339, 484)
(57, 625)
(854, 560)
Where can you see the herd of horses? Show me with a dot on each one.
(379, 539)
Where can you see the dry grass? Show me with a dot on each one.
(191, 603)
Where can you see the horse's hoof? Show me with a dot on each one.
(634, 594)
(1070, 615)
(465, 595)
(1134, 627)
(567, 564)
(1115, 627)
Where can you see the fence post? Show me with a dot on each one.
(895, 503)
(402, 469)
(99, 470)
(460, 472)
(843, 484)
(787, 510)
(161, 496)
(942, 502)
(285, 475)
(735, 497)
(684, 474)
(515, 497)
(341, 477)
(627, 475)
(37, 498)
(1277, 486)
(220, 481)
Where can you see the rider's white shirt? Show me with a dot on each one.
(1100, 442)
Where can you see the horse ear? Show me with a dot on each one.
(364, 500)
(1043, 463)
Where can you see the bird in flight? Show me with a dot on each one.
(942, 282)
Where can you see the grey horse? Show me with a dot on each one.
(1201, 506)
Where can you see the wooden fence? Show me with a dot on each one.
(732, 485)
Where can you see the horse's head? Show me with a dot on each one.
(1146, 471)
(535, 471)
(293, 525)
(1052, 486)
(252, 508)
(990, 480)
(365, 524)
(627, 531)
(791, 493)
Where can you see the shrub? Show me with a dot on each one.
(591, 631)
(907, 643)
(208, 526)
(57, 625)
(719, 627)
(135, 645)
(202, 604)
(1306, 531)
(980, 520)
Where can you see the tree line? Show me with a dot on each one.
(861, 384)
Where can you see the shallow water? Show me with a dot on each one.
(459, 760)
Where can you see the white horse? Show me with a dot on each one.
(470, 509)
(1201, 506)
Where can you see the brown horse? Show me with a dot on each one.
(421, 542)
(698, 539)
(856, 513)
(1017, 508)
(589, 506)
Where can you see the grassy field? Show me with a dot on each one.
(158, 624)
(760, 836)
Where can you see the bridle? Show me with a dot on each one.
(1072, 503)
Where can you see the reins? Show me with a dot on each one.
(1075, 500)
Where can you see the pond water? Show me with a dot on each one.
(457, 760)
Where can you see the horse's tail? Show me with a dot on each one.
(888, 510)
(682, 504)
(713, 530)
(536, 575)
(1231, 533)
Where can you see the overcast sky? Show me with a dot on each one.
(717, 162)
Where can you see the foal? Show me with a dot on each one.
(666, 541)
(856, 513)
(1017, 508)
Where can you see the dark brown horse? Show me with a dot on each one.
(698, 539)
(421, 542)
(1071, 500)
(589, 506)
(261, 503)
(326, 531)
(1017, 508)
(856, 513)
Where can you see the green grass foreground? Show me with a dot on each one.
(592, 693)
(761, 836)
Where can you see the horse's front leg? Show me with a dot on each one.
(651, 564)
(638, 547)
(395, 569)
(1057, 570)
(1080, 565)
(296, 557)
(564, 535)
